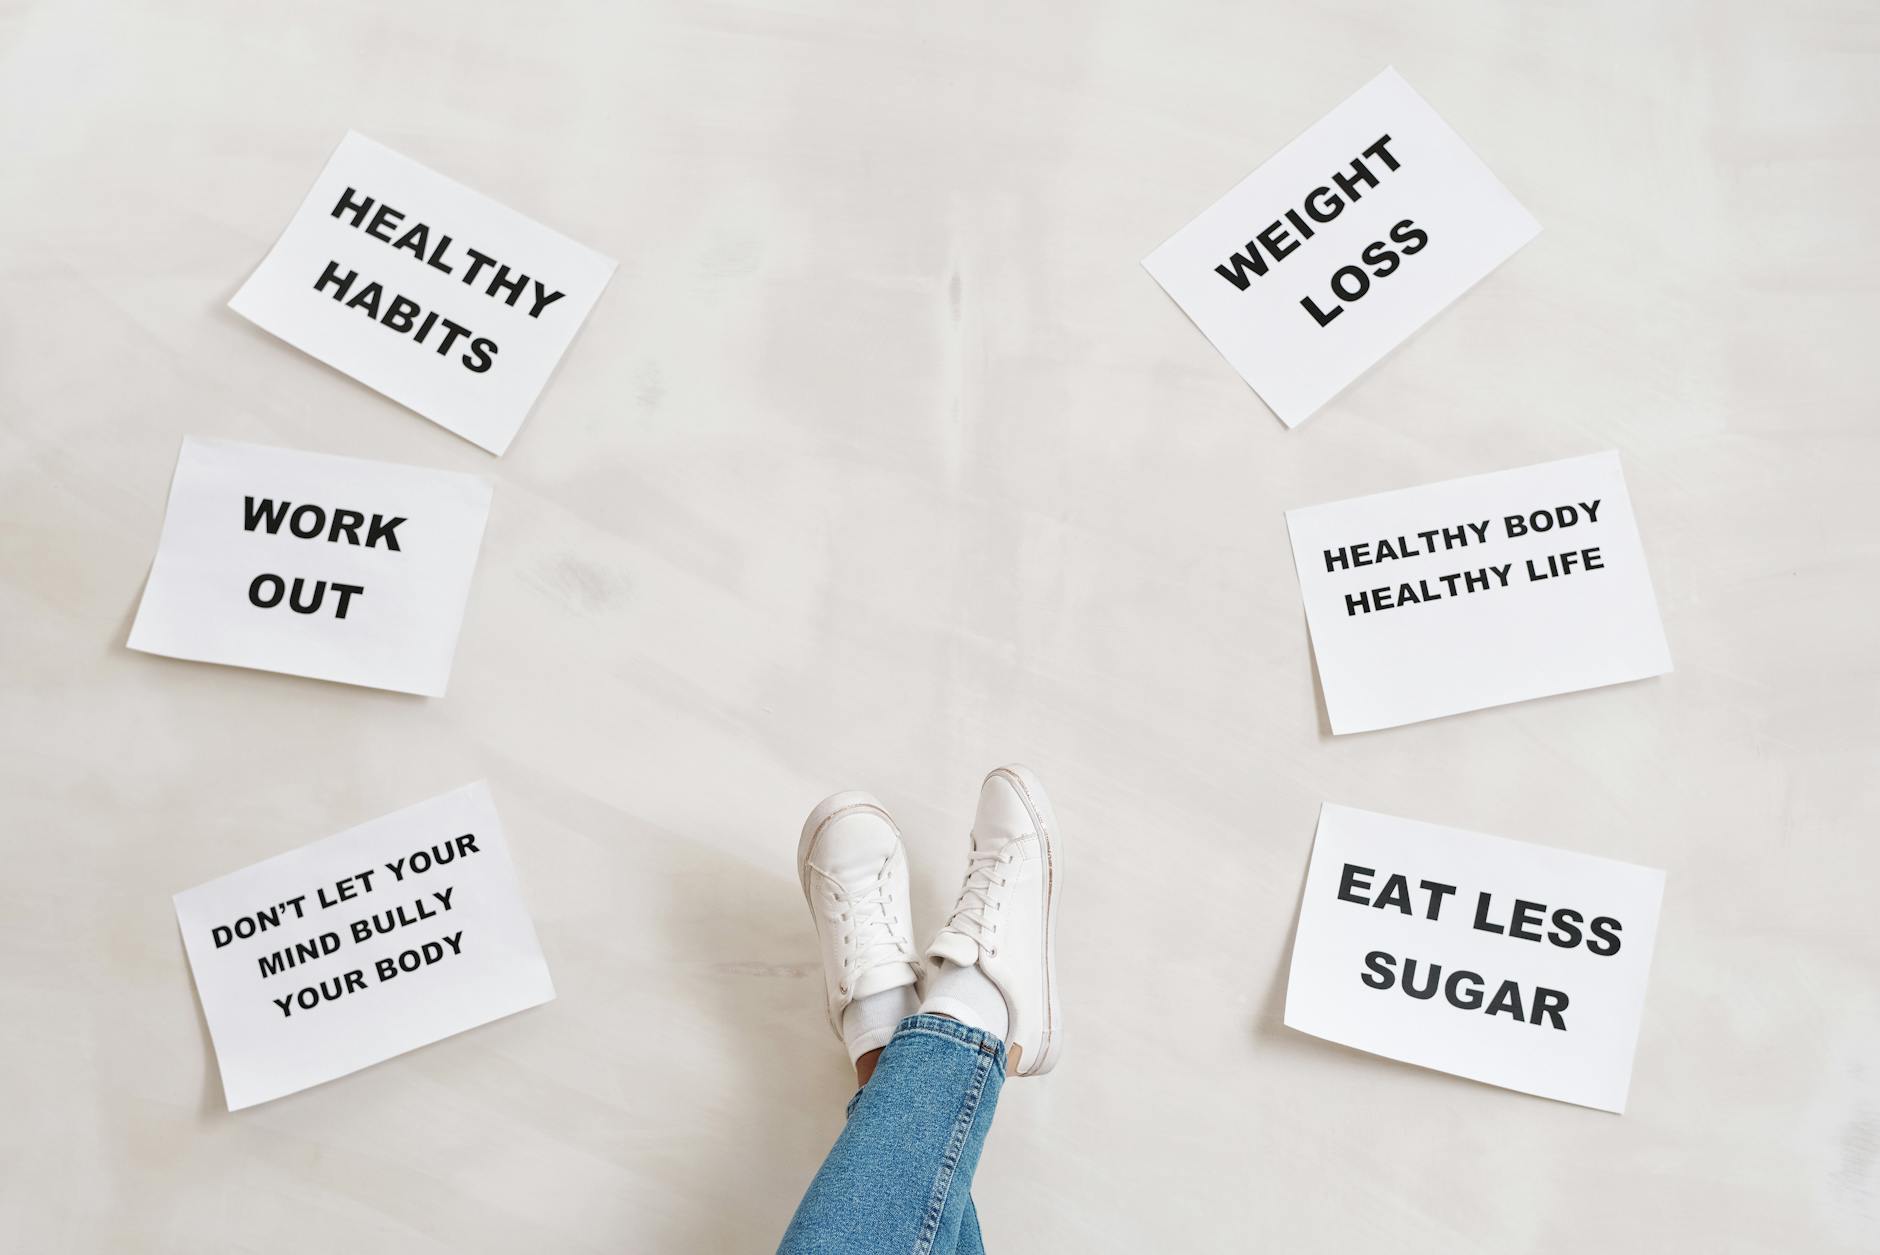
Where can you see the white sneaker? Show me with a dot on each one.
(1006, 917)
(853, 870)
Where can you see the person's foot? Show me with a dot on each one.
(853, 870)
(994, 964)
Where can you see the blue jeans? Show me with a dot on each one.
(899, 1179)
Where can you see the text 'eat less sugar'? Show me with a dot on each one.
(427, 906)
(408, 317)
(1476, 580)
(1322, 205)
(1464, 990)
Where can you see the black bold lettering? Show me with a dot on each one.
(1550, 1003)
(478, 261)
(453, 332)
(1525, 923)
(1384, 260)
(1507, 1000)
(1396, 893)
(1360, 175)
(386, 217)
(542, 299)
(402, 314)
(368, 299)
(349, 205)
(313, 512)
(1278, 242)
(1380, 965)
(1464, 991)
(1566, 930)
(414, 240)
(346, 521)
(1320, 316)
(1437, 891)
(331, 275)
(1348, 881)
(1326, 212)
(481, 356)
(1382, 153)
(501, 281)
(1357, 276)
(1482, 903)
(1434, 971)
(255, 595)
(382, 530)
(1606, 933)
(1241, 263)
(1412, 237)
(293, 597)
(268, 512)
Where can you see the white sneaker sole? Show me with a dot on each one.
(1051, 845)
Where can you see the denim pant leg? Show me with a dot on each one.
(969, 1243)
(899, 1179)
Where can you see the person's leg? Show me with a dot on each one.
(899, 1177)
(969, 1243)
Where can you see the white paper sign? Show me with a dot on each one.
(433, 294)
(1474, 592)
(331, 567)
(1510, 963)
(361, 946)
(1338, 248)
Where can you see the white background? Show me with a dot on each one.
(881, 461)
(494, 969)
(1581, 1052)
(401, 626)
(1467, 221)
(486, 407)
(1506, 641)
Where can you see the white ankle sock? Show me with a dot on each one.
(965, 994)
(868, 1022)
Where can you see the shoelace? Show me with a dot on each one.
(870, 922)
(985, 871)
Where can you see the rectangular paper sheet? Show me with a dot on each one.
(1434, 223)
(378, 555)
(445, 943)
(458, 307)
(1430, 601)
(1553, 949)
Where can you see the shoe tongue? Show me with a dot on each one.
(883, 976)
(954, 948)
